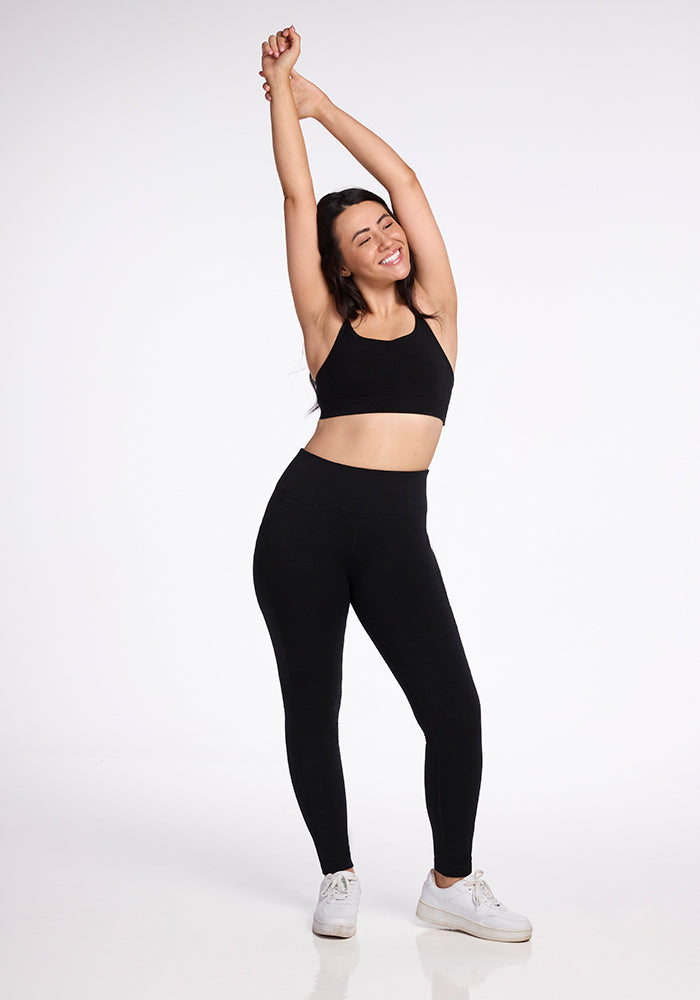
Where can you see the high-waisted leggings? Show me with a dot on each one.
(335, 535)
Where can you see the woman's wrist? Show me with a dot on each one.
(324, 111)
(277, 80)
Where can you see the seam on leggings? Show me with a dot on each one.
(441, 815)
(354, 537)
(340, 510)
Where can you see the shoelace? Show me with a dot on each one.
(338, 887)
(481, 890)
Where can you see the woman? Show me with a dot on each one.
(346, 522)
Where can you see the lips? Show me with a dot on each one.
(393, 258)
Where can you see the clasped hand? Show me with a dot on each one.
(279, 54)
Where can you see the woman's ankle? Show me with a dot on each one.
(445, 881)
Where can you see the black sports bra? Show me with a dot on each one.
(411, 374)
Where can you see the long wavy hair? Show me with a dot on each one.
(349, 300)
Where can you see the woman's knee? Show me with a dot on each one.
(457, 717)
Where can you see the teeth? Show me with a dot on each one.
(392, 257)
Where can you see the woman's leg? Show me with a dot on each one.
(398, 594)
(301, 586)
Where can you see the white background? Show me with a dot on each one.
(154, 386)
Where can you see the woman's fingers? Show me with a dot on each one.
(266, 87)
(293, 39)
(282, 41)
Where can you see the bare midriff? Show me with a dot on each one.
(400, 442)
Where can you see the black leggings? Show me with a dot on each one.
(334, 535)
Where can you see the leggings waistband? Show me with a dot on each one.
(355, 489)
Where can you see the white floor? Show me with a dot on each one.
(142, 878)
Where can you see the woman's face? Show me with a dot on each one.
(373, 245)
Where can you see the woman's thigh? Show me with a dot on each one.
(301, 584)
(399, 596)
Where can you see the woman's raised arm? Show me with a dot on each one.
(433, 271)
(311, 296)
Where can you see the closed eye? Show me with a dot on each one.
(362, 242)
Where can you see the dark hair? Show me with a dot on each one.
(348, 298)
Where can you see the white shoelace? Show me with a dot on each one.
(339, 886)
(481, 890)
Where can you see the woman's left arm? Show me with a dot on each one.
(433, 271)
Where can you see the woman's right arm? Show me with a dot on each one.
(312, 299)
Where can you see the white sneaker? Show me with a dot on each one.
(470, 906)
(338, 905)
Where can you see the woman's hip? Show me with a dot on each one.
(352, 489)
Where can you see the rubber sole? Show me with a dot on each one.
(334, 930)
(456, 922)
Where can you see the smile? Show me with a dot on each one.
(393, 258)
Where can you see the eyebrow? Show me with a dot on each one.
(366, 230)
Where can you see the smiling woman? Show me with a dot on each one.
(346, 521)
(359, 236)
(346, 250)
